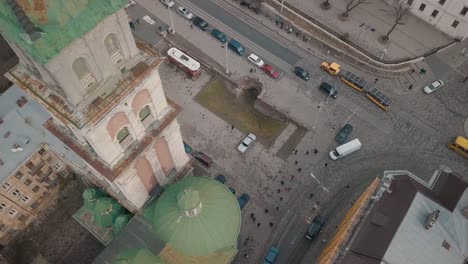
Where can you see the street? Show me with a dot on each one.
(285, 180)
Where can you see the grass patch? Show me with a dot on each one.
(239, 111)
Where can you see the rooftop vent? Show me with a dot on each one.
(32, 33)
(431, 219)
(465, 213)
(22, 101)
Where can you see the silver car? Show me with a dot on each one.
(433, 86)
(168, 3)
(185, 12)
(255, 60)
(245, 144)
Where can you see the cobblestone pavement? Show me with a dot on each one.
(411, 136)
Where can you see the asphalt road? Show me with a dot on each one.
(248, 31)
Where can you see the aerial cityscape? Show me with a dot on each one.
(234, 131)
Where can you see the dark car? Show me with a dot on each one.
(314, 228)
(243, 200)
(219, 35)
(344, 133)
(188, 148)
(220, 178)
(302, 73)
(232, 190)
(203, 159)
(200, 23)
(237, 47)
(329, 89)
(271, 256)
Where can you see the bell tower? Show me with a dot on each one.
(80, 61)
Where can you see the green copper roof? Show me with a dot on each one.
(197, 216)
(138, 256)
(62, 21)
(106, 210)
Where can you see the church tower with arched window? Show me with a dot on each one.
(80, 61)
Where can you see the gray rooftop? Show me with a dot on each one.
(23, 127)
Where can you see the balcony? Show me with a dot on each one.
(126, 142)
(117, 57)
(87, 80)
(147, 121)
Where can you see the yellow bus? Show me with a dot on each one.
(353, 81)
(459, 145)
(379, 99)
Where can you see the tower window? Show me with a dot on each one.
(434, 13)
(113, 48)
(455, 24)
(80, 66)
(422, 7)
(6, 186)
(145, 116)
(124, 138)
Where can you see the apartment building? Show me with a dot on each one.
(449, 16)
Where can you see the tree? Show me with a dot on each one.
(401, 10)
(351, 5)
(325, 5)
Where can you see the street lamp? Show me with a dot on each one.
(282, 4)
(172, 29)
(227, 64)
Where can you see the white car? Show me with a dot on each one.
(130, 3)
(255, 60)
(245, 144)
(184, 12)
(168, 3)
(433, 86)
(148, 20)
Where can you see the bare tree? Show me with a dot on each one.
(401, 10)
(351, 5)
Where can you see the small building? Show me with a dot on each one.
(403, 219)
(195, 220)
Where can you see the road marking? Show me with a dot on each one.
(294, 240)
(319, 183)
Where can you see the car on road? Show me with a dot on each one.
(203, 159)
(243, 200)
(433, 86)
(314, 228)
(302, 73)
(271, 255)
(219, 35)
(344, 133)
(168, 3)
(270, 71)
(329, 89)
(200, 23)
(245, 144)
(184, 12)
(221, 178)
(235, 46)
(255, 60)
(188, 148)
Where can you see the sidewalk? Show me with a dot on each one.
(369, 21)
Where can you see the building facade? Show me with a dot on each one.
(449, 16)
(104, 94)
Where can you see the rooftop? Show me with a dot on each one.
(394, 229)
(21, 125)
(99, 101)
(60, 22)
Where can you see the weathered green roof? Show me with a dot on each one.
(197, 216)
(137, 256)
(62, 21)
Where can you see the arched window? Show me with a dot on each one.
(124, 138)
(80, 66)
(113, 48)
(146, 118)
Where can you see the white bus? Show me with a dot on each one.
(185, 62)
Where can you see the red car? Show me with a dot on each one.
(268, 69)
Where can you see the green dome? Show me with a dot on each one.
(197, 216)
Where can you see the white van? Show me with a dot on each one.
(345, 149)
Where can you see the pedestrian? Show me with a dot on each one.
(266, 211)
(295, 152)
(311, 195)
(251, 70)
(315, 151)
(307, 153)
(466, 79)
(375, 80)
(412, 71)
(410, 87)
(191, 25)
(254, 219)
(326, 164)
(299, 169)
(258, 225)
(271, 223)
(282, 182)
(347, 187)
(281, 198)
(278, 191)
(277, 208)
(295, 162)
(138, 21)
(252, 215)
(292, 177)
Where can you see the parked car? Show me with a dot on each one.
(232, 190)
(314, 228)
(185, 12)
(302, 73)
(168, 3)
(329, 89)
(271, 255)
(203, 159)
(243, 200)
(200, 23)
(344, 133)
(221, 178)
(270, 71)
(245, 144)
(188, 148)
(255, 60)
(235, 46)
(219, 35)
(433, 86)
